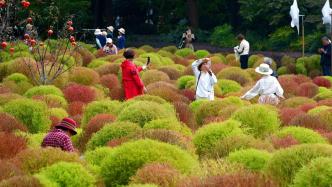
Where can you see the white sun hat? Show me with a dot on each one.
(109, 41)
(122, 30)
(110, 28)
(264, 69)
(97, 32)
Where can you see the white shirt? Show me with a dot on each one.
(244, 48)
(267, 85)
(205, 82)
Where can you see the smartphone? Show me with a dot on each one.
(148, 61)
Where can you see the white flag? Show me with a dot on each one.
(295, 14)
(326, 11)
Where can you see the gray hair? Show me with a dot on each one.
(268, 61)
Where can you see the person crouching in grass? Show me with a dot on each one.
(268, 87)
(205, 79)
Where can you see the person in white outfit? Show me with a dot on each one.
(268, 87)
(205, 79)
(243, 50)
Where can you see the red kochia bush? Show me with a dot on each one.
(280, 143)
(189, 93)
(76, 92)
(8, 123)
(10, 145)
(321, 81)
(76, 108)
(23, 180)
(289, 85)
(310, 121)
(8, 170)
(184, 113)
(306, 107)
(299, 79)
(287, 114)
(326, 102)
(117, 142)
(307, 89)
(117, 93)
(110, 81)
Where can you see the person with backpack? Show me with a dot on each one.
(205, 79)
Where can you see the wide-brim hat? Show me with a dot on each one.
(264, 69)
(109, 41)
(203, 61)
(69, 124)
(97, 32)
(104, 33)
(122, 30)
(110, 28)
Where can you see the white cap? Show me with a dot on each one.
(122, 30)
(110, 28)
(109, 40)
(97, 32)
(104, 33)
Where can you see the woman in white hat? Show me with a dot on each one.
(205, 79)
(268, 87)
(100, 39)
(110, 30)
(110, 48)
(121, 39)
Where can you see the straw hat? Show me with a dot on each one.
(109, 41)
(98, 32)
(264, 69)
(69, 124)
(122, 30)
(110, 28)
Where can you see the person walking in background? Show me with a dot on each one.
(188, 38)
(269, 62)
(132, 83)
(205, 79)
(110, 30)
(100, 39)
(325, 52)
(110, 48)
(121, 38)
(268, 87)
(59, 137)
(243, 50)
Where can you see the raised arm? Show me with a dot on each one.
(252, 93)
(195, 65)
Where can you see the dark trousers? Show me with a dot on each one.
(244, 61)
(326, 70)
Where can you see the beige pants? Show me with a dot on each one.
(269, 99)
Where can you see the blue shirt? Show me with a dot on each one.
(121, 42)
(102, 41)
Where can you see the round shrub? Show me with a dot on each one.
(182, 81)
(153, 98)
(168, 124)
(31, 113)
(96, 63)
(323, 95)
(317, 110)
(307, 90)
(112, 131)
(126, 159)
(309, 121)
(326, 116)
(228, 86)
(8, 170)
(297, 101)
(58, 112)
(43, 90)
(52, 101)
(23, 180)
(302, 135)
(202, 54)
(8, 123)
(68, 174)
(76, 92)
(32, 160)
(238, 142)
(96, 157)
(236, 74)
(10, 145)
(317, 173)
(207, 136)
(153, 76)
(100, 107)
(109, 68)
(172, 73)
(252, 159)
(142, 112)
(259, 120)
(282, 70)
(184, 52)
(287, 114)
(17, 78)
(85, 76)
(110, 81)
(323, 82)
(285, 163)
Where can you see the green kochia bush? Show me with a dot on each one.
(317, 173)
(259, 120)
(182, 81)
(208, 136)
(32, 114)
(17, 78)
(143, 112)
(302, 135)
(125, 160)
(68, 174)
(184, 52)
(43, 90)
(202, 53)
(96, 156)
(112, 131)
(252, 159)
(168, 124)
(228, 86)
(285, 163)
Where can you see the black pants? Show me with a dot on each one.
(244, 61)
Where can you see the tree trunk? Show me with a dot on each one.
(192, 13)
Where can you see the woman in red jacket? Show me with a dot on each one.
(132, 83)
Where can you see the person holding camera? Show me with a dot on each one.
(132, 84)
(205, 79)
(243, 50)
(325, 52)
(110, 48)
(188, 38)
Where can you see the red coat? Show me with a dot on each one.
(132, 83)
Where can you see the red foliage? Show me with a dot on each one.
(22, 180)
(322, 82)
(10, 145)
(288, 84)
(108, 69)
(117, 93)
(307, 89)
(8, 170)
(180, 60)
(216, 68)
(189, 93)
(110, 81)
(326, 134)
(76, 92)
(8, 123)
(117, 142)
(300, 79)
(166, 91)
(306, 107)
(76, 108)
(287, 114)
(309, 121)
(184, 113)
(284, 142)
(172, 73)
(326, 102)
(51, 103)
(4, 89)
(213, 119)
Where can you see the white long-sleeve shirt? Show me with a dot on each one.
(267, 85)
(244, 48)
(205, 83)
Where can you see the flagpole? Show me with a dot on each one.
(302, 19)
